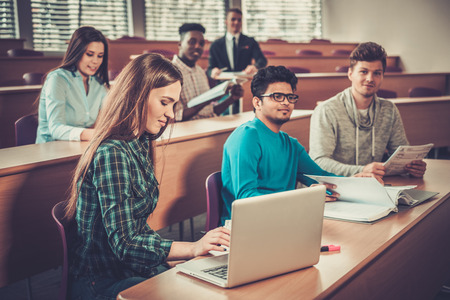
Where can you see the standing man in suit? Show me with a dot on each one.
(235, 51)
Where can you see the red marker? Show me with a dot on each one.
(328, 248)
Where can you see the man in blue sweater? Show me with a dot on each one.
(260, 159)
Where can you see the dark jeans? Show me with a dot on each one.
(102, 288)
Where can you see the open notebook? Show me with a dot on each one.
(364, 199)
(270, 235)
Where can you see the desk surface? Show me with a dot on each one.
(14, 159)
(35, 177)
(364, 265)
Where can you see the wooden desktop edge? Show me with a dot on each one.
(372, 258)
(234, 122)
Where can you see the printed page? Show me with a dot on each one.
(362, 199)
(358, 189)
(395, 165)
(352, 211)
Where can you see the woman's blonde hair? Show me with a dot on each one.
(124, 112)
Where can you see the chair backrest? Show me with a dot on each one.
(308, 52)
(130, 38)
(342, 69)
(393, 69)
(277, 40)
(32, 78)
(269, 53)
(26, 129)
(386, 93)
(167, 53)
(320, 41)
(23, 52)
(62, 224)
(213, 200)
(424, 92)
(112, 74)
(298, 69)
(341, 52)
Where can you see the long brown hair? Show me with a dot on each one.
(124, 113)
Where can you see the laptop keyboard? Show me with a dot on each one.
(220, 271)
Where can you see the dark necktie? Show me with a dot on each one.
(234, 53)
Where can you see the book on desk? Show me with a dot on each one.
(364, 199)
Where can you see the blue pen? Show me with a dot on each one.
(329, 193)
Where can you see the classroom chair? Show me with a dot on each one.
(269, 53)
(63, 226)
(386, 94)
(32, 78)
(23, 52)
(424, 92)
(296, 70)
(341, 52)
(112, 74)
(277, 40)
(130, 38)
(320, 41)
(302, 52)
(342, 69)
(26, 129)
(393, 69)
(167, 53)
(213, 200)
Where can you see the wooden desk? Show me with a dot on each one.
(289, 49)
(15, 102)
(426, 120)
(404, 256)
(120, 51)
(35, 177)
(17, 66)
(315, 87)
(316, 64)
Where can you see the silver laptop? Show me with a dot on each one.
(270, 235)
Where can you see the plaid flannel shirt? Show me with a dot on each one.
(118, 195)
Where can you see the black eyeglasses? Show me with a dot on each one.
(279, 97)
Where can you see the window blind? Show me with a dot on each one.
(54, 21)
(8, 25)
(290, 20)
(164, 17)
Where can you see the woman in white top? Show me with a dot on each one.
(73, 92)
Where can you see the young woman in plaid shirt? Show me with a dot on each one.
(114, 189)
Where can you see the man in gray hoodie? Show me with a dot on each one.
(351, 131)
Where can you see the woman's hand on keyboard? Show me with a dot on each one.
(213, 240)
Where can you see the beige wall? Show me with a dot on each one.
(416, 30)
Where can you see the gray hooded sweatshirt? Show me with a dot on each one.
(340, 147)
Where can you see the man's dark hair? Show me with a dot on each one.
(368, 52)
(272, 74)
(235, 10)
(186, 27)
